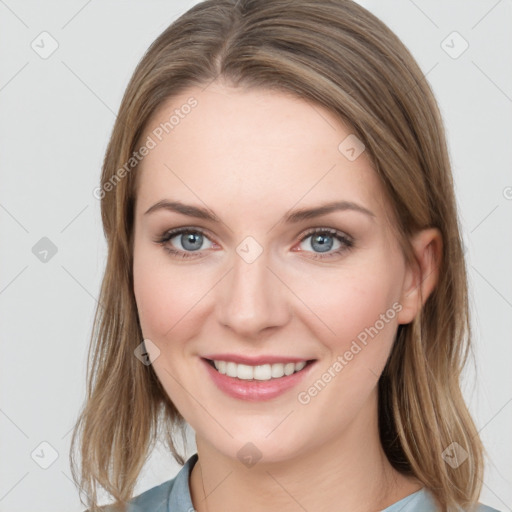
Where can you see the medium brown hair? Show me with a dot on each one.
(336, 54)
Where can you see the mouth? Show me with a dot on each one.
(260, 372)
(266, 378)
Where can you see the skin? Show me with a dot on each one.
(251, 157)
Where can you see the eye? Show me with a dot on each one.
(323, 240)
(188, 240)
(191, 240)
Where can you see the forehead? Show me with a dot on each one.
(251, 148)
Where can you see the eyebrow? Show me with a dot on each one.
(294, 216)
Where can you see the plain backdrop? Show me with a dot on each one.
(56, 115)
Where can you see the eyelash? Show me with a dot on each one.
(347, 243)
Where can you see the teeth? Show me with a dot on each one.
(260, 372)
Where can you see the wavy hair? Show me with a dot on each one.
(338, 55)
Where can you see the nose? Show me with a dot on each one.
(252, 299)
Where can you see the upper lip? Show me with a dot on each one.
(255, 361)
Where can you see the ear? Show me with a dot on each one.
(421, 278)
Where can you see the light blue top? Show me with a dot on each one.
(174, 496)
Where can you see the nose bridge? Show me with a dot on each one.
(251, 296)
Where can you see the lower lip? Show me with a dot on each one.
(255, 390)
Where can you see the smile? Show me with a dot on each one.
(257, 372)
(259, 381)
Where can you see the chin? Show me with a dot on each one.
(252, 444)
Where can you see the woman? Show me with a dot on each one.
(284, 273)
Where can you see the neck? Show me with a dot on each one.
(350, 472)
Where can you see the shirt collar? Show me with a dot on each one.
(179, 497)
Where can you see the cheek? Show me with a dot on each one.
(164, 297)
(357, 303)
(167, 303)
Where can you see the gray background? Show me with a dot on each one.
(55, 120)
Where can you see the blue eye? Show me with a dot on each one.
(191, 241)
(322, 240)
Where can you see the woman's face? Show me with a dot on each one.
(262, 282)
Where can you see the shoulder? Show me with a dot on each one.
(172, 494)
(484, 508)
(152, 500)
(423, 501)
